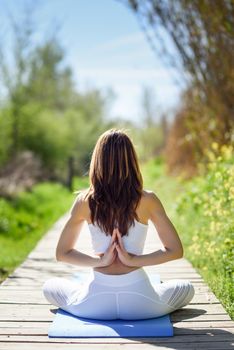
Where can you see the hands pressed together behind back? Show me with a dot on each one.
(116, 249)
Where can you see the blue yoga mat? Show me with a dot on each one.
(66, 325)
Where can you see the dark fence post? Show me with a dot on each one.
(70, 173)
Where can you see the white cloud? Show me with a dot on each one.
(118, 43)
(119, 74)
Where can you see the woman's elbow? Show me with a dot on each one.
(179, 250)
(59, 255)
(180, 253)
(176, 253)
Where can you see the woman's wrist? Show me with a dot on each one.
(97, 261)
(136, 261)
(76, 257)
(157, 257)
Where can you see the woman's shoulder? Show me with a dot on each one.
(151, 198)
(81, 196)
(148, 194)
(80, 202)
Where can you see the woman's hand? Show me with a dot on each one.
(123, 255)
(110, 254)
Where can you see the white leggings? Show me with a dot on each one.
(129, 296)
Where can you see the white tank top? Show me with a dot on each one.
(133, 242)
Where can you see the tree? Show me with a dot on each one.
(42, 111)
(34, 74)
(202, 32)
(14, 79)
(49, 83)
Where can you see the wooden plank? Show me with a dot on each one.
(28, 315)
(211, 338)
(24, 326)
(160, 343)
(215, 325)
(41, 328)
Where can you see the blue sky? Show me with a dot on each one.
(106, 47)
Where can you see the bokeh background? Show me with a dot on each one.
(161, 70)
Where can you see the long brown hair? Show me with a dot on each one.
(116, 182)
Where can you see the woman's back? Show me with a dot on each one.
(134, 241)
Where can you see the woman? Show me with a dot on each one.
(117, 210)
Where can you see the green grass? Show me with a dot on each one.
(166, 187)
(26, 218)
(202, 211)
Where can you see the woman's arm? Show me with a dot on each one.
(172, 249)
(64, 250)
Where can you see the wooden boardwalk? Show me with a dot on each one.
(25, 315)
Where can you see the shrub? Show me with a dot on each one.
(205, 218)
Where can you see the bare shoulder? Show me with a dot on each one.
(79, 206)
(149, 195)
(153, 202)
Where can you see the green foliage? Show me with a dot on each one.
(149, 139)
(166, 187)
(45, 133)
(81, 183)
(154, 168)
(26, 218)
(42, 111)
(5, 133)
(54, 136)
(205, 218)
(202, 210)
(49, 82)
